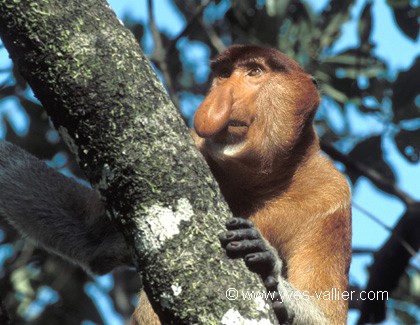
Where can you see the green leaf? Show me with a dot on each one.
(365, 24)
(346, 86)
(354, 57)
(334, 93)
(398, 3)
(370, 72)
(276, 8)
(330, 22)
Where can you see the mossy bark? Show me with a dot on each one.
(102, 94)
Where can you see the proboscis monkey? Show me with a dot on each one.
(255, 129)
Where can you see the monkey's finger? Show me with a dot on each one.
(281, 312)
(238, 223)
(275, 296)
(271, 283)
(237, 235)
(261, 263)
(237, 249)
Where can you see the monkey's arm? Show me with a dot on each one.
(289, 304)
(63, 216)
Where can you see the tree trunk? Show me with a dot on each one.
(102, 94)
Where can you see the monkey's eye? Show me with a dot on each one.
(253, 72)
(315, 82)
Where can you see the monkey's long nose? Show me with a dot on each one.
(213, 114)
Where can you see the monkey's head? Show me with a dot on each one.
(260, 105)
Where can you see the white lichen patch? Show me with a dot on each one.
(163, 222)
(142, 120)
(233, 317)
(177, 289)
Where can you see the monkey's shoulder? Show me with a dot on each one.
(318, 189)
(334, 180)
(324, 177)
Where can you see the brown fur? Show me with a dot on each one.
(262, 104)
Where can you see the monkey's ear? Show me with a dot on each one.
(315, 82)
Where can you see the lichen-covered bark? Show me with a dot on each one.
(101, 93)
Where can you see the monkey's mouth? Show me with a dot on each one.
(236, 123)
(237, 130)
(237, 127)
(234, 132)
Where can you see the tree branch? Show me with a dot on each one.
(381, 182)
(189, 26)
(159, 56)
(104, 97)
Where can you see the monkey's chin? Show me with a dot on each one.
(221, 151)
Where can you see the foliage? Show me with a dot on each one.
(353, 78)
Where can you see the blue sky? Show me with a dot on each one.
(391, 45)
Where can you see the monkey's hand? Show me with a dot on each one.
(243, 240)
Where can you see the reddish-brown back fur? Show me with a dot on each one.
(255, 130)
